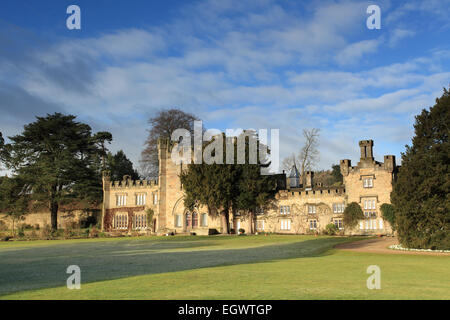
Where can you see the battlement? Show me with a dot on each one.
(313, 193)
(127, 184)
(367, 160)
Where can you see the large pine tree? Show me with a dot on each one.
(421, 194)
(59, 159)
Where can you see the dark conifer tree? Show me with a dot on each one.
(421, 194)
(58, 158)
(119, 166)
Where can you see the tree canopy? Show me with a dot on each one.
(162, 125)
(58, 158)
(388, 214)
(336, 174)
(15, 197)
(119, 165)
(421, 193)
(225, 187)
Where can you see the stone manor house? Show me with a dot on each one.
(157, 206)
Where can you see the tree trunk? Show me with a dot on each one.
(54, 215)
(251, 222)
(225, 222)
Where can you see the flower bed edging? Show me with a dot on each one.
(399, 247)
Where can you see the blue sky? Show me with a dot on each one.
(288, 65)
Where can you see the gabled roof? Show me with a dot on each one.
(294, 172)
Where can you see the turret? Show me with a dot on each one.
(367, 158)
(345, 167)
(366, 150)
(389, 163)
(309, 184)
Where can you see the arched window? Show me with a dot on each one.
(178, 221)
(188, 219)
(204, 220)
(195, 220)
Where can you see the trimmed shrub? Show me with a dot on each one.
(331, 229)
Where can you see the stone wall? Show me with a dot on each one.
(65, 219)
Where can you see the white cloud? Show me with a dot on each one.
(353, 53)
(262, 67)
(399, 34)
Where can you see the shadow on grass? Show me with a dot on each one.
(45, 267)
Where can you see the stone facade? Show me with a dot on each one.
(297, 209)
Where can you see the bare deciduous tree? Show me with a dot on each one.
(162, 125)
(289, 162)
(309, 154)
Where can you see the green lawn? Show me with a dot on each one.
(252, 267)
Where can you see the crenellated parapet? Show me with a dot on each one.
(128, 184)
(324, 192)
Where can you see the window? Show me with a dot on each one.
(311, 209)
(338, 223)
(188, 219)
(368, 182)
(370, 214)
(369, 224)
(178, 221)
(140, 199)
(155, 198)
(284, 210)
(204, 220)
(259, 211)
(285, 224)
(373, 224)
(121, 200)
(260, 225)
(312, 224)
(195, 220)
(338, 207)
(121, 221)
(140, 221)
(370, 208)
(369, 204)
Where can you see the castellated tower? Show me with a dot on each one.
(172, 215)
(369, 184)
(169, 183)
